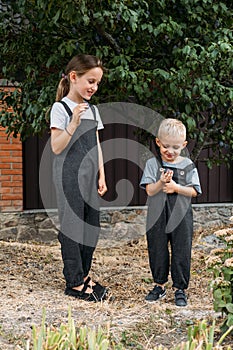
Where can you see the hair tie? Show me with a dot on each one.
(64, 76)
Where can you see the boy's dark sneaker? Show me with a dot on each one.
(180, 298)
(156, 293)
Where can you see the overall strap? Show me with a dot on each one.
(70, 113)
(190, 167)
(179, 174)
(67, 108)
(93, 111)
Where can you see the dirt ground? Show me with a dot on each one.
(31, 279)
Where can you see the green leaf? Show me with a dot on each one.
(218, 294)
(56, 17)
(188, 108)
(229, 307)
(161, 72)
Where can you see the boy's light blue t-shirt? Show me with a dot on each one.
(151, 170)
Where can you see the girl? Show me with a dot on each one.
(78, 173)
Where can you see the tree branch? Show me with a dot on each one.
(112, 42)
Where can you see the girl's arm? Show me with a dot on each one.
(102, 188)
(61, 138)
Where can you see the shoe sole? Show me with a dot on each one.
(181, 305)
(91, 298)
(155, 301)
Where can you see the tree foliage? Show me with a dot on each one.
(175, 56)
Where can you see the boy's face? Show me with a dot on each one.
(171, 147)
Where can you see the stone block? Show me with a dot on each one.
(8, 233)
(47, 235)
(10, 220)
(46, 224)
(118, 216)
(27, 219)
(26, 233)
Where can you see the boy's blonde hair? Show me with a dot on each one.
(172, 127)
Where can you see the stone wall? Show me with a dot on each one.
(116, 223)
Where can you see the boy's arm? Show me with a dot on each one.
(154, 188)
(173, 187)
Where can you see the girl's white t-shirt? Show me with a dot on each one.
(60, 119)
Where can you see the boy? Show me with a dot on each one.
(170, 182)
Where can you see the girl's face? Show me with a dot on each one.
(86, 85)
(171, 147)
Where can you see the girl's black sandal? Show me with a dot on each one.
(81, 294)
(98, 289)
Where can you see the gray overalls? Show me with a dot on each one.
(170, 219)
(75, 174)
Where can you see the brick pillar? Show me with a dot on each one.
(11, 173)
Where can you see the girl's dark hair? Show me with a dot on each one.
(80, 64)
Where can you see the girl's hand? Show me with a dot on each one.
(102, 187)
(77, 112)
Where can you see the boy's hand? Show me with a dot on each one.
(166, 176)
(170, 187)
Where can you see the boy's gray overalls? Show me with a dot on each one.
(170, 218)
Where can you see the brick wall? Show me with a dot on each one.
(11, 169)
(11, 173)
